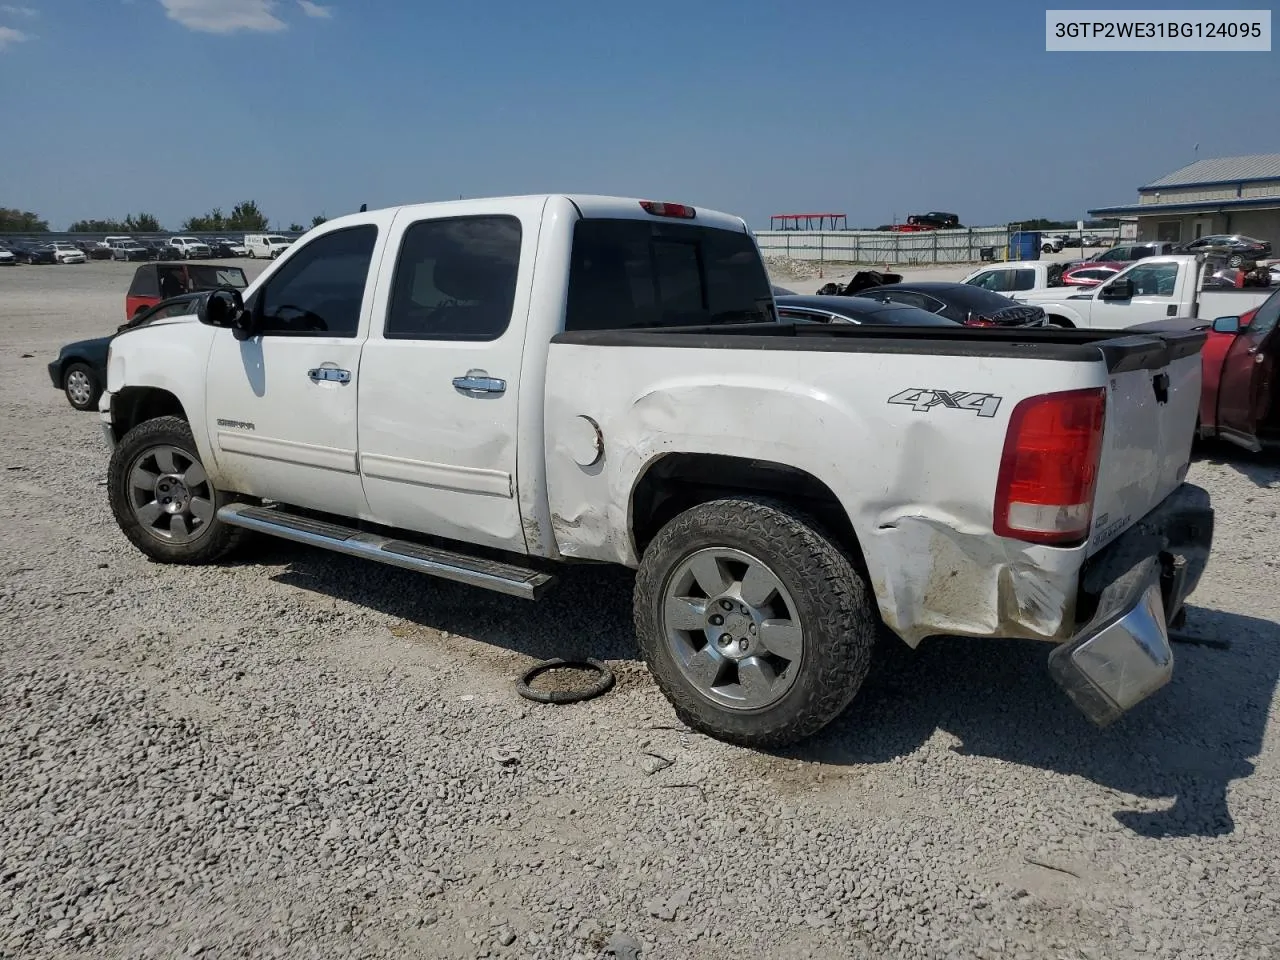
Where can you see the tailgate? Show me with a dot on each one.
(1153, 397)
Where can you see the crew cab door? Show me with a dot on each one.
(1155, 297)
(1247, 386)
(281, 406)
(440, 376)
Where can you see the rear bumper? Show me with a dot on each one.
(1136, 588)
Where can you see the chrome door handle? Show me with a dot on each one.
(478, 381)
(333, 374)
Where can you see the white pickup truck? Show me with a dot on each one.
(1156, 288)
(489, 390)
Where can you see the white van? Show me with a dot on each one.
(267, 245)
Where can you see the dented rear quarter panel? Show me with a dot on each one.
(917, 481)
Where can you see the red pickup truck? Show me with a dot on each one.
(1238, 400)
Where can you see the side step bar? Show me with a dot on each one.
(490, 574)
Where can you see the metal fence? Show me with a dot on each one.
(883, 246)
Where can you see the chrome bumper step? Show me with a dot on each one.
(493, 575)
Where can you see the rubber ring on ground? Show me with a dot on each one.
(603, 685)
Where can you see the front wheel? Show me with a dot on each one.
(81, 386)
(1235, 260)
(754, 624)
(162, 498)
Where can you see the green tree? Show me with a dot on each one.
(13, 220)
(244, 216)
(318, 219)
(142, 223)
(296, 228)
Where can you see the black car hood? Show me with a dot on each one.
(88, 347)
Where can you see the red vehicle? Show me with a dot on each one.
(1089, 273)
(153, 282)
(1238, 400)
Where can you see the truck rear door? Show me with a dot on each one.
(1153, 394)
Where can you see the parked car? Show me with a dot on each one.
(1240, 392)
(1052, 243)
(1237, 249)
(1089, 274)
(267, 245)
(234, 248)
(66, 252)
(96, 250)
(1152, 289)
(158, 249)
(855, 310)
(130, 250)
(189, 248)
(982, 483)
(961, 302)
(7, 257)
(80, 369)
(1128, 253)
(34, 253)
(155, 282)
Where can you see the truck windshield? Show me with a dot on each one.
(639, 273)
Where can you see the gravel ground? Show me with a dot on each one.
(300, 755)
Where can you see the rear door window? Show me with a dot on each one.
(637, 273)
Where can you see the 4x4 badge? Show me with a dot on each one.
(923, 400)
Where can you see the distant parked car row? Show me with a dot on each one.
(257, 245)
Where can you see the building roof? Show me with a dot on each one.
(1259, 166)
(1203, 206)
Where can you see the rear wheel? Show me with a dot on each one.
(162, 498)
(81, 386)
(1235, 260)
(754, 624)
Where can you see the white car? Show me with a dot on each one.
(543, 379)
(1052, 242)
(188, 248)
(7, 259)
(67, 252)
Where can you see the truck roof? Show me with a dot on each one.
(590, 206)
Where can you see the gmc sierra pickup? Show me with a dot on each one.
(488, 390)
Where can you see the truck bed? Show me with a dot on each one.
(1120, 349)
(905, 427)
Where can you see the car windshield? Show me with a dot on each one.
(208, 277)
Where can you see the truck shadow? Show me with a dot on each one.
(1261, 468)
(1188, 742)
(587, 615)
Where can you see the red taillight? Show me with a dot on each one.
(668, 209)
(979, 322)
(1049, 469)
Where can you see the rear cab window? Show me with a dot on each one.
(638, 273)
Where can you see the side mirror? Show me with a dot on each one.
(224, 307)
(1229, 325)
(1118, 290)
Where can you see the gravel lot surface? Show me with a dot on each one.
(301, 755)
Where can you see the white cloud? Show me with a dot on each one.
(315, 10)
(224, 16)
(10, 36)
(18, 11)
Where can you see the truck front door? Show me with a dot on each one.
(1247, 387)
(441, 373)
(281, 406)
(1155, 289)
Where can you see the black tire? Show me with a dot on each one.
(1061, 322)
(217, 539)
(85, 401)
(1235, 260)
(832, 603)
